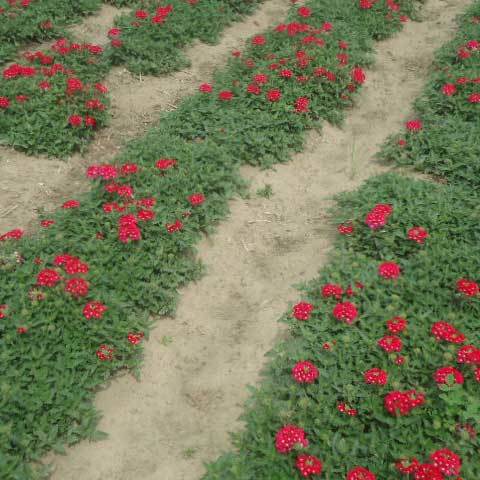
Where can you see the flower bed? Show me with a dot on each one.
(76, 297)
(24, 21)
(54, 100)
(381, 376)
(149, 40)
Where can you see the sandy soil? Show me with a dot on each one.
(28, 184)
(193, 388)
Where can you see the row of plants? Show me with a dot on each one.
(380, 377)
(77, 297)
(39, 114)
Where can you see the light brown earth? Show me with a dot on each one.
(192, 389)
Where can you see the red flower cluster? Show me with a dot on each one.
(48, 278)
(376, 376)
(305, 372)
(105, 353)
(15, 234)
(308, 465)
(302, 310)
(389, 270)
(397, 324)
(332, 290)
(417, 234)
(94, 309)
(447, 332)
(390, 343)
(444, 374)
(414, 125)
(135, 338)
(469, 354)
(402, 403)
(346, 312)
(378, 216)
(469, 288)
(290, 437)
(360, 473)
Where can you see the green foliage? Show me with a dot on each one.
(40, 102)
(37, 21)
(448, 143)
(156, 48)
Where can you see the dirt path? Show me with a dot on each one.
(192, 389)
(30, 183)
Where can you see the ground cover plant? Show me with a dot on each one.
(381, 375)
(25, 21)
(54, 100)
(76, 297)
(150, 39)
(40, 113)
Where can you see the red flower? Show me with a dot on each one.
(425, 471)
(407, 466)
(414, 125)
(449, 89)
(358, 75)
(90, 121)
(376, 220)
(305, 372)
(94, 309)
(302, 310)
(290, 437)
(417, 234)
(105, 353)
(286, 73)
(442, 375)
(301, 104)
(375, 376)
(274, 95)
(477, 374)
(48, 278)
(366, 4)
(446, 331)
(114, 32)
(135, 338)
(360, 473)
(448, 462)
(22, 330)
(304, 12)
(165, 163)
(4, 102)
(308, 465)
(346, 312)
(77, 287)
(397, 324)
(390, 343)
(101, 88)
(400, 360)
(259, 40)
(128, 169)
(141, 14)
(468, 287)
(205, 88)
(174, 227)
(254, 89)
(402, 403)
(225, 96)
(145, 215)
(345, 229)
(261, 78)
(75, 120)
(15, 234)
(389, 270)
(469, 354)
(474, 98)
(196, 199)
(332, 290)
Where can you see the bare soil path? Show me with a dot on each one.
(28, 184)
(193, 388)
